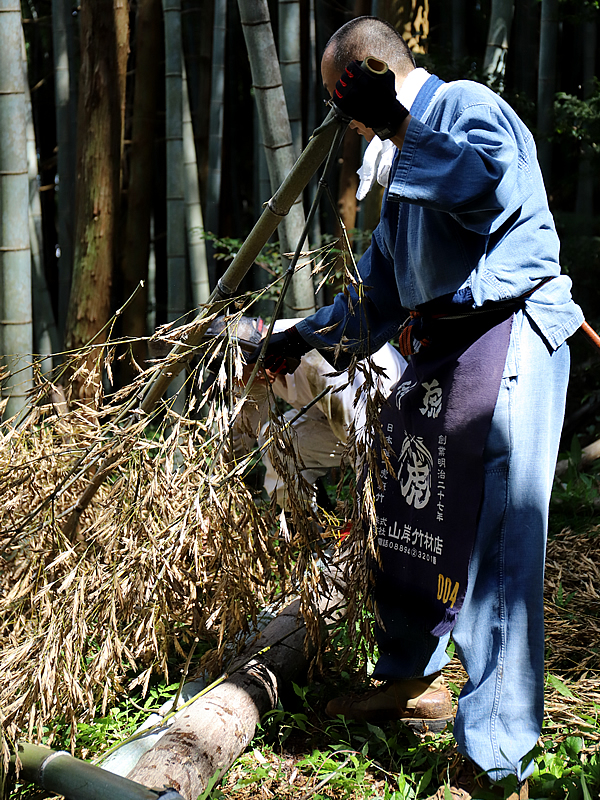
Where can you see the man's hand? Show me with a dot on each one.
(370, 98)
(284, 352)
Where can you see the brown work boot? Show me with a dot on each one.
(471, 783)
(422, 703)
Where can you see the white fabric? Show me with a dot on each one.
(378, 157)
(376, 165)
(322, 431)
(412, 85)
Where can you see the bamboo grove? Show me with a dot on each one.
(146, 130)
(139, 143)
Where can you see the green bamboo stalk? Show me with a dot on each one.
(215, 130)
(546, 84)
(16, 328)
(277, 138)
(494, 63)
(289, 61)
(262, 192)
(193, 209)
(64, 90)
(59, 772)
(174, 135)
(44, 328)
(176, 273)
(137, 248)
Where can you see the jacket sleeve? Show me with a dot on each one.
(362, 317)
(479, 170)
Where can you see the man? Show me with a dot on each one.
(467, 244)
(320, 434)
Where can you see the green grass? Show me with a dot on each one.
(361, 760)
(96, 737)
(299, 753)
(576, 495)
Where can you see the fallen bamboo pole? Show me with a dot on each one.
(210, 734)
(59, 772)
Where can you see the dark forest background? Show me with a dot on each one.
(541, 56)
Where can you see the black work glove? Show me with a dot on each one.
(284, 352)
(370, 98)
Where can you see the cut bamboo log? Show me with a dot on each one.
(213, 731)
(589, 454)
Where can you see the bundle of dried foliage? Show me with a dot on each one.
(171, 547)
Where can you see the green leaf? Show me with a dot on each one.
(209, 786)
(560, 687)
(376, 730)
(584, 788)
(425, 779)
(573, 746)
(575, 450)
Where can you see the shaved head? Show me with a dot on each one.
(369, 36)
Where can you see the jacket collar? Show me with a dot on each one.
(423, 98)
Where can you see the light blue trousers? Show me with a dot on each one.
(499, 636)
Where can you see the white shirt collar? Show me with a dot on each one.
(412, 85)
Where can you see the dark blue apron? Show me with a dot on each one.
(428, 497)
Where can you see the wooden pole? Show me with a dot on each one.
(591, 334)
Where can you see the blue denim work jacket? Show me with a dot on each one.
(465, 217)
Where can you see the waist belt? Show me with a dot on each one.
(428, 324)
